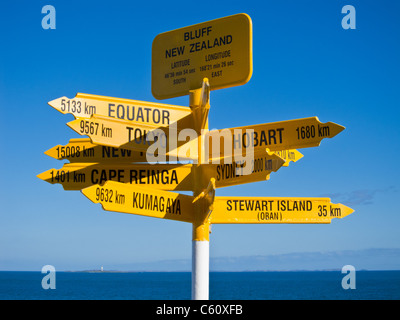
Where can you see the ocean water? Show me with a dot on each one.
(316, 285)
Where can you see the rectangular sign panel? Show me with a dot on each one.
(220, 50)
(131, 135)
(85, 105)
(235, 173)
(119, 197)
(291, 155)
(276, 210)
(76, 176)
(83, 150)
(276, 136)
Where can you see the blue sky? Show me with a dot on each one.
(305, 64)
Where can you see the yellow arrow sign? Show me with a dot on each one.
(259, 169)
(76, 176)
(289, 155)
(220, 50)
(276, 136)
(82, 150)
(276, 210)
(131, 135)
(138, 137)
(85, 105)
(119, 197)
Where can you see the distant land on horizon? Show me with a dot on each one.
(367, 259)
(379, 259)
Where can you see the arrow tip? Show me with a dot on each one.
(49, 153)
(56, 104)
(335, 129)
(74, 125)
(340, 211)
(346, 210)
(298, 156)
(89, 193)
(44, 176)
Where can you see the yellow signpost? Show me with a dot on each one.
(291, 155)
(125, 198)
(276, 136)
(85, 105)
(83, 150)
(276, 210)
(122, 133)
(76, 176)
(230, 174)
(220, 50)
(131, 135)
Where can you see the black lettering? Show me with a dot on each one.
(134, 196)
(271, 135)
(94, 171)
(142, 174)
(110, 110)
(120, 111)
(129, 133)
(106, 152)
(139, 114)
(132, 115)
(263, 138)
(133, 176)
(165, 115)
(280, 134)
(174, 177)
(229, 206)
(156, 116)
(264, 205)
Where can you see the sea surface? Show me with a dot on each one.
(315, 285)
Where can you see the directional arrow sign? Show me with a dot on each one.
(129, 135)
(235, 173)
(76, 176)
(85, 105)
(82, 150)
(119, 197)
(276, 210)
(220, 50)
(276, 136)
(289, 155)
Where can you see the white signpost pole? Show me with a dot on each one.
(200, 269)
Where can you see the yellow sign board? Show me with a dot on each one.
(82, 150)
(220, 50)
(291, 155)
(230, 174)
(276, 210)
(119, 197)
(117, 133)
(85, 105)
(130, 135)
(276, 136)
(180, 177)
(76, 176)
